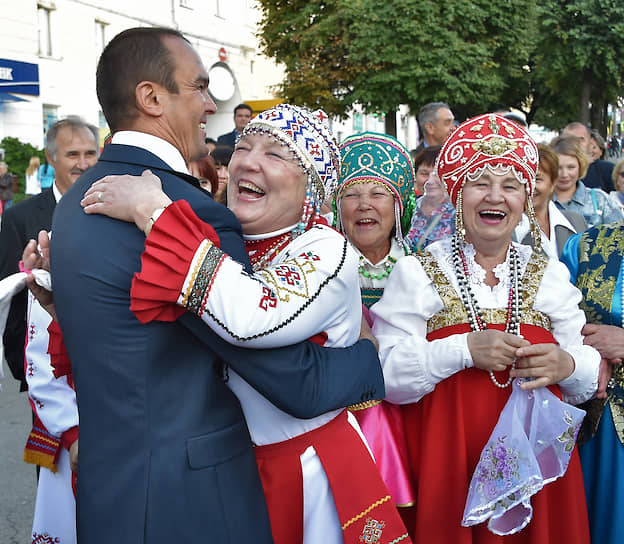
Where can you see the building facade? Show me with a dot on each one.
(49, 52)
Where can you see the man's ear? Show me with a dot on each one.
(49, 158)
(428, 127)
(150, 98)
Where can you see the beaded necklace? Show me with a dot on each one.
(387, 263)
(264, 251)
(477, 322)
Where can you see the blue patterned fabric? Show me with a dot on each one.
(594, 259)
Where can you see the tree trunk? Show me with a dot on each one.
(599, 110)
(391, 124)
(586, 88)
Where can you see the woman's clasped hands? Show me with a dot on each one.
(540, 364)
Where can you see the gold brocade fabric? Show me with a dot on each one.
(454, 312)
(600, 254)
(595, 408)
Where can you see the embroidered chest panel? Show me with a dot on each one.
(454, 312)
(290, 278)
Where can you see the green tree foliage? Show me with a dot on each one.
(462, 53)
(17, 156)
(578, 61)
(401, 52)
(307, 37)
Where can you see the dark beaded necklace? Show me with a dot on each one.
(477, 323)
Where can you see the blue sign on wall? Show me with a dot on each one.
(19, 77)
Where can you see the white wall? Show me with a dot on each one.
(67, 77)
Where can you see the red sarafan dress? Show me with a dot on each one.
(447, 429)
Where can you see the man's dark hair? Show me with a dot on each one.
(243, 106)
(222, 155)
(427, 156)
(134, 55)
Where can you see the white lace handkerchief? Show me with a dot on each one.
(530, 446)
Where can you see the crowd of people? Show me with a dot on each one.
(342, 343)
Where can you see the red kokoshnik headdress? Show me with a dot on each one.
(487, 140)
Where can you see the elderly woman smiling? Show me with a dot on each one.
(457, 323)
(373, 203)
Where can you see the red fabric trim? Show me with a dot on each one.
(61, 365)
(283, 488)
(360, 495)
(69, 437)
(169, 250)
(537, 335)
(319, 338)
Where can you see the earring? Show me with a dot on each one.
(459, 217)
(536, 232)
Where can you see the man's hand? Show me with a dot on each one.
(366, 332)
(607, 339)
(39, 257)
(73, 456)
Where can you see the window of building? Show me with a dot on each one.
(45, 15)
(186, 4)
(100, 36)
(50, 116)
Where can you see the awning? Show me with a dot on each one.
(259, 106)
(8, 97)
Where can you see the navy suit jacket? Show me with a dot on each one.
(228, 138)
(165, 455)
(599, 175)
(20, 223)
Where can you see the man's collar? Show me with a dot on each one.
(57, 193)
(159, 147)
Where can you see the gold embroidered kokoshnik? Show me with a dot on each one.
(454, 312)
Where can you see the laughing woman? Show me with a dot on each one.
(320, 481)
(458, 322)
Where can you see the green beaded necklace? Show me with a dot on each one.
(388, 265)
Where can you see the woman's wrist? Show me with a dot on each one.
(144, 213)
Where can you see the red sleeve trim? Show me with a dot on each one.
(61, 365)
(69, 437)
(169, 250)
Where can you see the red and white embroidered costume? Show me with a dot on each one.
(56, 428)
(450, 408)
(320, 481)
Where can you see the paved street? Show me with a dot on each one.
(17, 479)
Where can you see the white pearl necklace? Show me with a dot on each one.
(477, 322)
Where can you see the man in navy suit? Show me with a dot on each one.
(242, 116)
(71, 148)
(165, 455)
